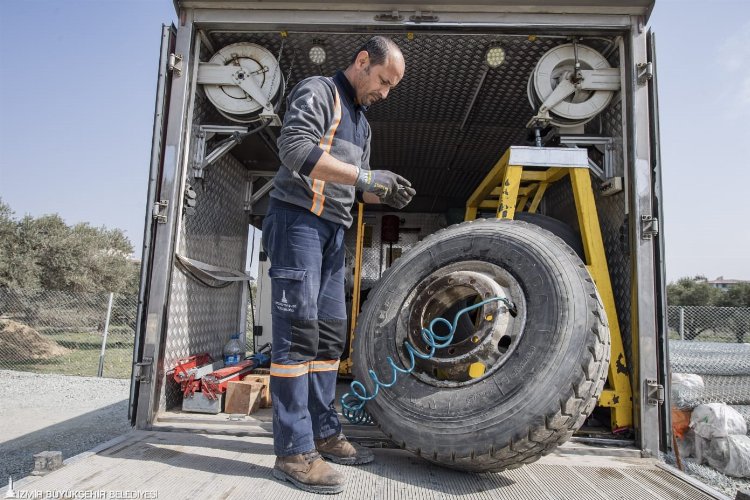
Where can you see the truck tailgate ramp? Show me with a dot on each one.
(163, 464)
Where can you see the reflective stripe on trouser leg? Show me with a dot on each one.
(332, 330)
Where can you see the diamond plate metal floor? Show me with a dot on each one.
(178, 465)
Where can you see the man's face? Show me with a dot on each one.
(372, 83)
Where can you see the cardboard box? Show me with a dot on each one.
(243, 397)
(265, 401)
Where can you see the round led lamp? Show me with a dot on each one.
(317, 55)
(495, 57)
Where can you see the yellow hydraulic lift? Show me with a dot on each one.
(518, 182)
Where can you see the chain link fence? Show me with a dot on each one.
(712, 342)
(709, 323)
(88, 334)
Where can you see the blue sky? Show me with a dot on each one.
(77, 82)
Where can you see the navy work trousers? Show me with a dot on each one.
(308, 324)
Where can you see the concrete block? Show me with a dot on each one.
(46, 462)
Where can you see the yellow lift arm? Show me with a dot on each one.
(521, 178)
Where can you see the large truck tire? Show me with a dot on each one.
(544, 364)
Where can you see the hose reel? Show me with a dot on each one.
(243, 82)
(570, 85)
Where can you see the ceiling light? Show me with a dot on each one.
(494, 57)
(317, 55)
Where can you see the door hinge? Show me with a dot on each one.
(645, 72)
(654, 392)
(143, 370)
(649, 227)
(175, 64)
(159, 212)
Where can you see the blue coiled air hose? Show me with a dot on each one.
(353, 402)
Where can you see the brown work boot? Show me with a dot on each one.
(337, 449)
(309, 472)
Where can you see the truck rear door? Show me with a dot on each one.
(659, 267)
(144, 345)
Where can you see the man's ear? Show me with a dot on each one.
(363, 59)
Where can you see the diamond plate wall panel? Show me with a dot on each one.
(201, 319)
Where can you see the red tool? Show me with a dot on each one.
(189, 371)
(218, 381)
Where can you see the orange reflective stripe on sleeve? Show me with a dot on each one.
(326, 142)
(324, 366)
(297, 370)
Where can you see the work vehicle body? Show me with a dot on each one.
(444, 127)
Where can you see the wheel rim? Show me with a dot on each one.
(480, 345)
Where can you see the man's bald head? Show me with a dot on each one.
(375, 69)
(379, 48)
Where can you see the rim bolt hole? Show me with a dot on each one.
(504, 343)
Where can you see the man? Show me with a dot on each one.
(324, 146)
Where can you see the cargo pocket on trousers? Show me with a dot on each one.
(289, 290)
(291, 301)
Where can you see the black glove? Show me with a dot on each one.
(399, 198)
(380, 182)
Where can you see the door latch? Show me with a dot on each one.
(143, 370)
(654, 392)
(649, 227)
(175, 64)
(159, 212)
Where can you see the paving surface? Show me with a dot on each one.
(173, 464)
(41, 412)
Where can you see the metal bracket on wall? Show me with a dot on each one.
(390, 16)
(645, 72)
(201, 160)
(649, 227)
(420, 17)
(253, 195)
(607, 145)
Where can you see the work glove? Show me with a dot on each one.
(400, 197)
(382, 183)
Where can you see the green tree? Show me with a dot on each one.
(689, 292)
(736, 296)
(701, 295)
(737, 302)
(44, 252)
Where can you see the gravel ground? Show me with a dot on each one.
(41, 412)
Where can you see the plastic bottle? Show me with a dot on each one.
(233, 351)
